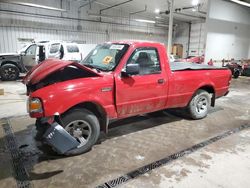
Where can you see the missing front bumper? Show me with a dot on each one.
(58, 138)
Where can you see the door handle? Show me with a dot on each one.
(161, 81)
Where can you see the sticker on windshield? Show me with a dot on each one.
(107, 59)
(116, 47)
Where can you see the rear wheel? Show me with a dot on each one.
(9, 72)
(84, 126)
(199, 105)
(236, 73)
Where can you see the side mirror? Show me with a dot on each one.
(131, 69)
(22, 53)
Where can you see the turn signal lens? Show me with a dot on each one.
(34, 106)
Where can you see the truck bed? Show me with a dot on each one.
(180, 66)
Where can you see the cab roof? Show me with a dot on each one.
(134, 42)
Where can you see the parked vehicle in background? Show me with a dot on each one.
(117, 80)
(174, 58)
(193, 59)
(63, 50)
(12, 64)
(234, 66)
(246, 68)
(85, 49)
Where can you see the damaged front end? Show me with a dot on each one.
(51, 132)
(59, 139)
(54, 71)
(49, 129)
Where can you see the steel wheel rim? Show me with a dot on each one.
(201, 105)
(80, 130)
(10, 73)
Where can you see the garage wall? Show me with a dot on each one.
(26, 23)
(228, 29)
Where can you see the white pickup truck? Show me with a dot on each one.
(12, 64)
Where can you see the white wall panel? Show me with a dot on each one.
(228, 29)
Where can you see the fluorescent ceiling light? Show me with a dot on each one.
(241, 3)
(145, 21)
(157, 11)
(32, 5)
(195, 2)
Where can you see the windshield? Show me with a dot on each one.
(105, 57)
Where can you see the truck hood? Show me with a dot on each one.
(47, 67)
(9, 54)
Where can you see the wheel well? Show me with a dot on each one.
(210, 89)
(97, 110)
(11, 62)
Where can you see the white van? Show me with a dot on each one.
(35, 53)
(64, 51)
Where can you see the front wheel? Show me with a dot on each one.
(199, 105)
(84, 126)
(9, 72)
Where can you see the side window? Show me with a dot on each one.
(72, 49)
(148, 60)
(56, 51)
(31, 50)
(54, 48)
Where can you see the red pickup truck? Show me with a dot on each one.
(117, 80)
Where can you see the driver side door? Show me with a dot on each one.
(145, 91)
(29, 58)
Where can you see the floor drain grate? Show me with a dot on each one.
(20, 173)
(147, 168)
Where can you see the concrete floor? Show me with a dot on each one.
(13, 102)
(138, 141)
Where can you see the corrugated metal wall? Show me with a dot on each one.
(17, 27)
(11, 36)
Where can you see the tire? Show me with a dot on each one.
(236, 74)
(9, 72)
(86, 122)
(199, 105)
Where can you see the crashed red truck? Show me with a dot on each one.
(115, 81)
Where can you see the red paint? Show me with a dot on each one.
(47, 67)
(128, 96)
(196, 59)
(211, 63)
